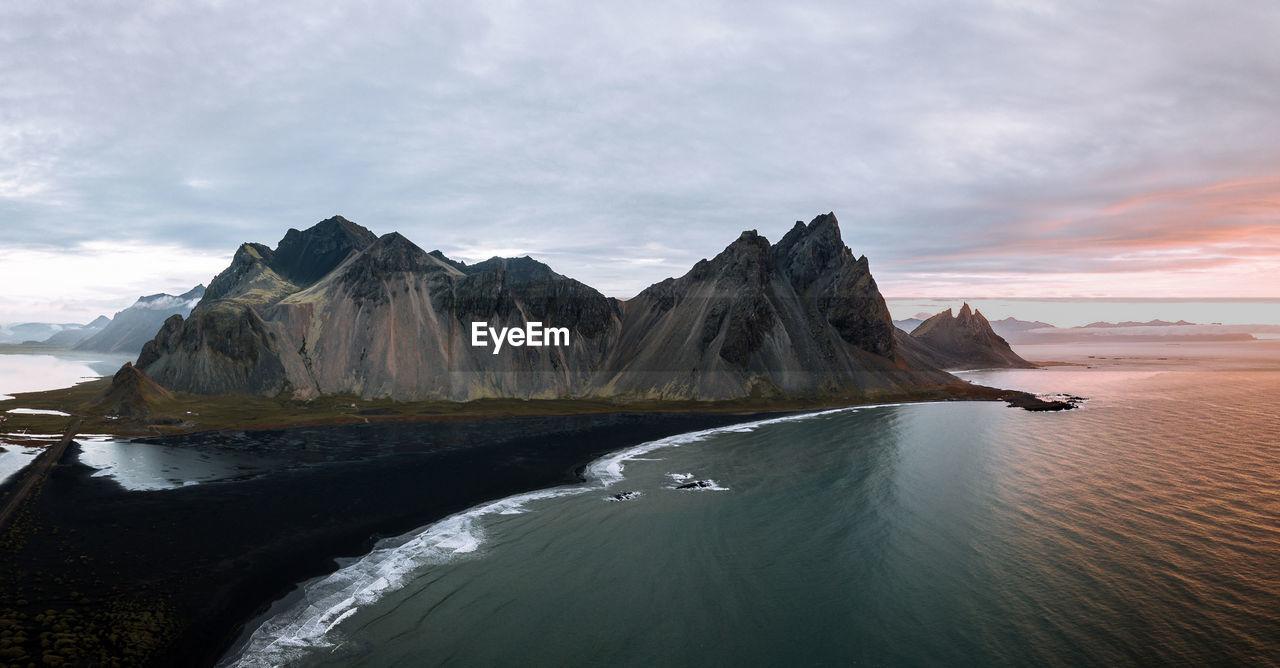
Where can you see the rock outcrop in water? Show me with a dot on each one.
(335, 309)
(965, 341)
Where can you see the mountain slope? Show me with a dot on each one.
(133, 327)
(965, 341)
(71, 336)
(329, 312)
(34, 332)
(799, 318)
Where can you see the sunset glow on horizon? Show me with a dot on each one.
(1212, 241)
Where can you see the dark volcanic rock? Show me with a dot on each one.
(965, 341)
(799, 318)
(333, 310)
(132, 394)
(223, 348)
(306, 256)
(249, 260)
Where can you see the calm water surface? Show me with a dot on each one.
(33, 373)
(1143, 528)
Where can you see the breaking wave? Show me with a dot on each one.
(310, 624)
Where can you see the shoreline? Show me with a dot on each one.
(173, 576)
(178, 574)
(189, 414)
(599, 472)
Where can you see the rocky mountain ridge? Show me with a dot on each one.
(965, 341)
(336, 309)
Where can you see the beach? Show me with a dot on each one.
(170, 576)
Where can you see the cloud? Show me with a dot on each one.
(947, 136)
(97, 278)
(1199, 240)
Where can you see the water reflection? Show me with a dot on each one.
(14, 458)
(35, 373)
(140, 466)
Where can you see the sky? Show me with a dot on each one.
(1002, 149)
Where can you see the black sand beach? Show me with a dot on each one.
(95, 574)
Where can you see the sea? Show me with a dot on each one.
(1142, 528)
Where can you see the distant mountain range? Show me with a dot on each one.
(336, 309)
(125, 333)
(1149, 323)
(38, 332)
(131, 328)
(1030, 332)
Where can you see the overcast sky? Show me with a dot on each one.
(982, 149)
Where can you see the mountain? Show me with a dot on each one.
(61, 335)
(335, 309)
(70, 337)
(1019, 331)
(131, 328)
(1144, 333)
(132, 394)
(34, 332)
(802, 317)
(1133, 323)
(909, 324)
(965, 341)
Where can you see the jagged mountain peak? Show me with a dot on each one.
(250, 252)
(516, 269)
(391, 252)
(394, 242)
(305, 256)
(456, 264)
(392, 320)
(809, 251)
(340, 225)
(194, 293)
(251, 262)
(965, 340)
(743, 263)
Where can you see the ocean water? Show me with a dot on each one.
(1143, 528)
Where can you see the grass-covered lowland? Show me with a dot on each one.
(173, 413)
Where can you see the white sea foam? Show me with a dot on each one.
(311, 623)
(332, 599)
(707, 485)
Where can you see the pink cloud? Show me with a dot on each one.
(1220, 239)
